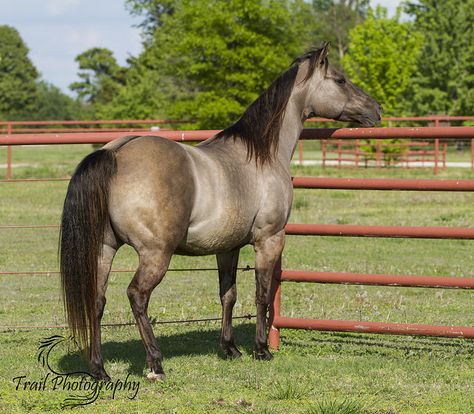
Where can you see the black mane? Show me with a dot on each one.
(260, 124)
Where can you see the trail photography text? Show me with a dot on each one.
(83, 388)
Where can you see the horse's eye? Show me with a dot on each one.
(340, 81)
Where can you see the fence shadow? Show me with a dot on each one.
(192, 342)
(381, 345)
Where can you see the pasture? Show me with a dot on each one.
(313, 372)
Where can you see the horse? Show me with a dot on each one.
(164, 198)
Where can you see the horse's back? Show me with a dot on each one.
(152, 193)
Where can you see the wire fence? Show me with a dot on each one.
(153, 321)
(55, 272)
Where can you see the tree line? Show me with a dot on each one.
(207, 61)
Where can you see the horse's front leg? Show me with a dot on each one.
(227, 264)
(267, 250)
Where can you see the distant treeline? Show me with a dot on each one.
(207, 61)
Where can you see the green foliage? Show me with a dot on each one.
(391, 150)
(145, 92)
(382, 58)
(100, 75)
(210, 60)
(335, 18)
(17, 75)
(151, 11)
(445, 74)
(52, 104)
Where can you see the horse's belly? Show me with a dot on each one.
(212, 239)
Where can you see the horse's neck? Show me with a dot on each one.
(290, 130)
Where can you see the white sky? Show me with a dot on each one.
(56, 31)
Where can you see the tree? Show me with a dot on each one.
(151, 11)
(143, 95)
(214, 58)
(52, 104)
(101, 76)
(336, 18)
(17, 75)
(382, 58)
(444, 81)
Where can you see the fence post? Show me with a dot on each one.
(274, 332)
(378, 153)
(301, 151)
(323, 150)
(357, 152)
(445, 150)
(339, 155)
(472, 154)
(436, 149)
(9, 153)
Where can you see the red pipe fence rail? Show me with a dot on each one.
(199, 135)
(122, 126)
(11, 139)
(277, 321)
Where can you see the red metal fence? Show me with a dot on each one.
(41, 127)
(343, 153)
(277, 320)
(415, 154)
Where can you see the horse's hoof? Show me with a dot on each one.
(232, 353)
(153, 376)
(263, 355)
(101, 376)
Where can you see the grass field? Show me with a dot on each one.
(313, 372)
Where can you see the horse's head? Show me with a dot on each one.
(331, 95)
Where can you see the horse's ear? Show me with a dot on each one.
(323, 54)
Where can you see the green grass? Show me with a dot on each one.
(313, 372)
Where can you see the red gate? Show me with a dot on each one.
(277, 321)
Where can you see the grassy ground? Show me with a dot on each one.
(312, 372)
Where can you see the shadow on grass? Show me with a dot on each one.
(205, 342)
(192, 342)
(382, 345)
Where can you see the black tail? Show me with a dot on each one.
(84, 219)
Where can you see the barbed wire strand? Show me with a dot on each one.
(153, 321)
(55, 272)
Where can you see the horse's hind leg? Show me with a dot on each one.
(268, 250)
(227, 264)
(150, 272)
(96, 360)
